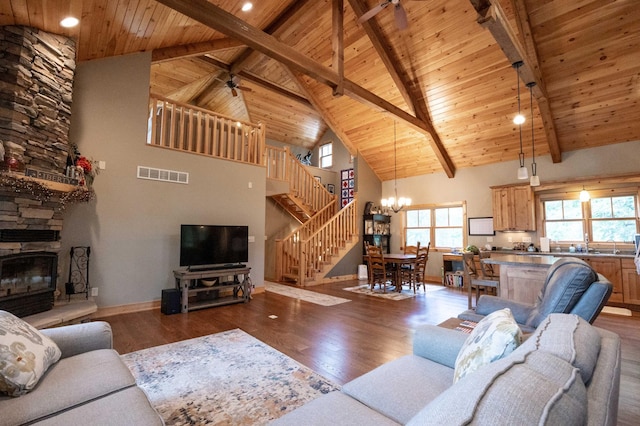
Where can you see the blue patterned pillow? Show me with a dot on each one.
(25, 355)
(495, 336)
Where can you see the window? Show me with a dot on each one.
(442, 226)
(603, 218)
(326, 155)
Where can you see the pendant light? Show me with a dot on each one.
(535, 179)
(584, 195)
(519, 119)
(394, 203)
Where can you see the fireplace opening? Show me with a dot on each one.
(28, 282)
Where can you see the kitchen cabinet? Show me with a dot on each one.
(513, 208)
(630, 282)
(610, 268)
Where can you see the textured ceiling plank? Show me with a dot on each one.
(494, 20)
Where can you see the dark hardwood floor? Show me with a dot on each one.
(345, 341)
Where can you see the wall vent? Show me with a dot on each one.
(162, 175)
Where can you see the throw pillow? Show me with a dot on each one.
(495, 336)
(25, 355)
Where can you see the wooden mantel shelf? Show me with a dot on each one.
(49, 184)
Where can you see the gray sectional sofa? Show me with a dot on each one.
(89, 385)
(567, 372)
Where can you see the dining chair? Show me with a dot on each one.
(414, 275)
(412, 249)
(422, 266)
(378, 273)
(475, 278)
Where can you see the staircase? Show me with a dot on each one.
(308, 253)
(325, 235)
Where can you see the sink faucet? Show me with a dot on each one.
(614, 246)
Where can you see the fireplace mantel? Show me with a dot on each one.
(49, 184)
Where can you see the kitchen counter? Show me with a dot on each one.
(521, 277)
(622, 255)
(531, 260)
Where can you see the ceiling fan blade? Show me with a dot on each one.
(234, 92)
(401, 17)
(373, 12)
(246, 89)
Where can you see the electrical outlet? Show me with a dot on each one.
(526, 239)
(510, 239)
(489, 239)
(94, 291)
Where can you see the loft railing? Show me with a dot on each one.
(182, 127)
(282, 165)
(305, 251)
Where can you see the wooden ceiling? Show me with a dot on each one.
(446, 81)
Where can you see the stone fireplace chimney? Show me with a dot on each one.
(36, 85)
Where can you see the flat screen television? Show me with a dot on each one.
(204, 246)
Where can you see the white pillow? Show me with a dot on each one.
(25, 355)
(495, 336)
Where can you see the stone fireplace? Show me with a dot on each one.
(36, 86)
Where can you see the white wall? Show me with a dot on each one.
(472, 185)
(133, 227)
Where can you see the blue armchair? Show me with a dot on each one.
(571, 287)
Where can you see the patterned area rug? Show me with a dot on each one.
(306, 295)
(228, 378)
(391, 294)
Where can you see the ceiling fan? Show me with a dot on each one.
(234, 86)
(399, 13)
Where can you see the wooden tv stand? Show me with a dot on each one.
(190, 284)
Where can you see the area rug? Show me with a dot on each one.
(391, 294)
(228, 378)
(306, 295)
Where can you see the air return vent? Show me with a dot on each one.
(162, 175)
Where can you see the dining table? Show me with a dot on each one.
(395, 261)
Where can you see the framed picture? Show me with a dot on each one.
(331, 188)
(318, 178)
(481, 226)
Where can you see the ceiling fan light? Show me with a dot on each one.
(523, 173)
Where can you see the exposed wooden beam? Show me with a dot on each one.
(409, 90)
(337, 43)
(492, 17)
(364, 96)
(223, 21)
(193, 49)
(187, 93)
(274, 26)
(282, 91)
(388, 57)
(322, 110)
(522, 19)
(220, 20)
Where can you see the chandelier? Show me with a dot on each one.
(394, 203)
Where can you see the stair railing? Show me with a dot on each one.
(304, 252)
(282, 165)
(182, 127)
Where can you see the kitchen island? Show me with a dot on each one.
(521, 277)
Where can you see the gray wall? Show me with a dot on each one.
(133, 226)
(472, 185)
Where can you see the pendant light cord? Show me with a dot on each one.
(517, 66)
(533, 145)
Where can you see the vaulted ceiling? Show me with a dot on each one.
(444, 88)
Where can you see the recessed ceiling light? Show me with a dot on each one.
(69, 22)
(247, 6)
